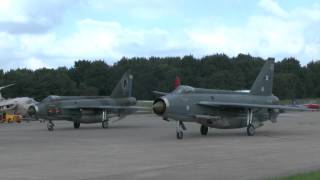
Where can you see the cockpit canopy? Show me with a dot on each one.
(184, 90)
(50, 98)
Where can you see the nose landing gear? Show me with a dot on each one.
(50, 126)
(250, 127)
(105, 120)
(179, 129)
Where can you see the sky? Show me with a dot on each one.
(55, 33)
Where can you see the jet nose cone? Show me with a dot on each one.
(159, 106)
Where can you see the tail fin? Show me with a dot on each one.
(262, 86)
(124, 86)
(177, 82)
(3, 87)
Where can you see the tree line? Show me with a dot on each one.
(217, 71)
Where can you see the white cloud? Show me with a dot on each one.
(142, 9)
(34, 63)
(11, 11)
(264, 35)
(102, 39)
(92, 39)
(32, 16)
(277, 33)
(6, 41)
(273, 7)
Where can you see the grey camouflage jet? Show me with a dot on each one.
(223, 109)
(89, 109)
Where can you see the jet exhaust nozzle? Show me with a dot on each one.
(159, 106)
(32, 110)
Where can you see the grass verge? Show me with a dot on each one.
(305, 176)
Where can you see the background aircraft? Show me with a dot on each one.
(312, 106)
(17, 106)
(89, 109)
(223, 109)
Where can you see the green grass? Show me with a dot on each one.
(303, 176)
(145, 103)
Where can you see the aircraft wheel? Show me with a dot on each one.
(204, 130)
(105, 124)
(250, 130)
(50, 126)
(76, 124)
(180, 135)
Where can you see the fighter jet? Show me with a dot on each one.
(222, 109)
(89, 109)
(19, 105)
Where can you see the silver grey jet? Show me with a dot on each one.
(18, 106)
(223, 109)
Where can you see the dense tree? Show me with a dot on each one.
(214, 71)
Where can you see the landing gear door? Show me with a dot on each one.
(273, 114)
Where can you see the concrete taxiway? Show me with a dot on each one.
(145, 147)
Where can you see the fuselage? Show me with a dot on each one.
(84, 109)
(182, 104)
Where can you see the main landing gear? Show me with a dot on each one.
(105, 124)
(204, 130)
(250, 127)
(105, 120)
(50, 126)
(179, 129)
(76, 124)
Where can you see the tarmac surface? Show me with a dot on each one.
(145, 147)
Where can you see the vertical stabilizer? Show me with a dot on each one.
(177, 82)
(124, 86)
(262, 86)
(3, 87)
